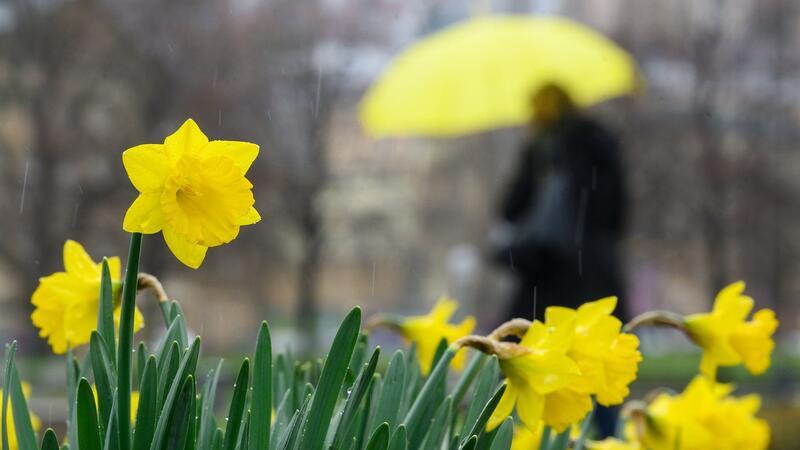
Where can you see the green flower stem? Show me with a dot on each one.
(124, 354)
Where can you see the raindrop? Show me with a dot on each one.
(24, 187)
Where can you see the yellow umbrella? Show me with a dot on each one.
(479, 74)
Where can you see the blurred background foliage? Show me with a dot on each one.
(710, 152)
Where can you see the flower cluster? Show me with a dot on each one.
(559, 365)
(705, 416)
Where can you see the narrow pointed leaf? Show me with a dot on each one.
(105, 313)
(26, 437)
(261, 408)
(392, 392)
(399, 440)
(147, 412)
(187, 368)
(49, 441)
(330, 382)
(236, 411)
(380, 438)
(504, 436)
(353, 401)
(182, 415)
(88, 428)
(208, 425)
(104, 378)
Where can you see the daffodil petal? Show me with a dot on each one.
(77, 262)
(187, 138)
(147, 166)
(753, 341)
(444, 309)
(187, 252)
(242, 153)
(731, 305)
(504, 407)
(251, 217)
(530, 406)
(565, 407)
(144, 215)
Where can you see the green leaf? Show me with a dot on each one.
(438, 427)
(182, 415)
(399, 440)
(73, 375)
(26, 437)
(167, 371)
(261, 408)
(425, 400)
(141, 360)
(208, 424)
(488, 408)
(466, 379)
(105, 313)
(129, 289)
(471, 443)
(187, 367)
(392, 392)
(88, 428)
(330, 383)
(289, 439)
(440, 349)
(353, 402)
(147, 412)
(504, 436)
(49, 441)
(282, 419)
(8, 368)
(380, 438)
(236, 411)
(484, 387)
(104, 378)
(110, 440)
(218, 438)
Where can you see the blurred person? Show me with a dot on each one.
(562, 218)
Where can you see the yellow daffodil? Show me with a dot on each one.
(608, 361)
(66, 303)
(704, 417)
(192, 190)
(527, 439)
(534, 368)
(428, 330)
(727, 338)
(9, 425)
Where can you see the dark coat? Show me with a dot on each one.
(567, 202)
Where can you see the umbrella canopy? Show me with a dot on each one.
(480, 74)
